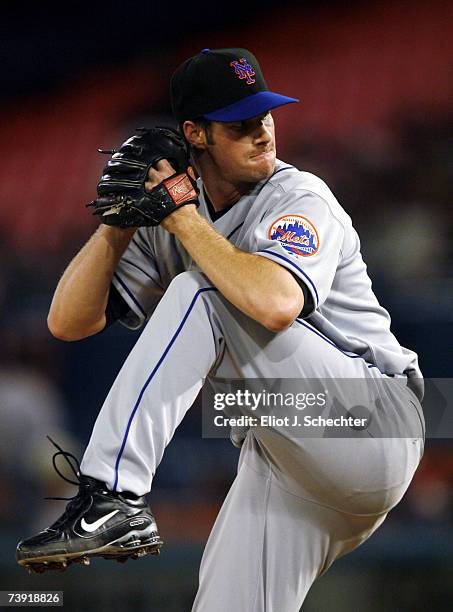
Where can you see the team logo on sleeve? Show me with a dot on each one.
(296, 234)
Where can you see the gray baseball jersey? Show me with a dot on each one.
(296, 503)
(294, 220)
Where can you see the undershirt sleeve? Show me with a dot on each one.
(309, 304)
(116, 309)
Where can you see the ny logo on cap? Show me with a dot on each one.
(243, 69)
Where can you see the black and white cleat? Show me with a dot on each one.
(97, 522)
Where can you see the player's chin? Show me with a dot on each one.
(263, 165)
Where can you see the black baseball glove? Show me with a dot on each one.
(122, 198)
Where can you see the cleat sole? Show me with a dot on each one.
(118, 551)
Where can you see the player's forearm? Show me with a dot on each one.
(260, 288)
(80, 299)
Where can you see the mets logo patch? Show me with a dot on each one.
(296, 234)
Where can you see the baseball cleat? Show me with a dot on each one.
(96, 523)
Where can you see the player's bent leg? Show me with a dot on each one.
(336, 492)
(155, 387)
(157, 384)
(268, 546)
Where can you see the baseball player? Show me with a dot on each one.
(253, 271)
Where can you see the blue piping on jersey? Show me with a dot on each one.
(371, 365)
(131, 263)
(130, 294)
(140, 248)
(281, 170)
(294, 266)
(235, 230)
(271, 177)
(151, 376)
(273, 174)
(260, 189)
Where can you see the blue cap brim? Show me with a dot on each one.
(249, 107)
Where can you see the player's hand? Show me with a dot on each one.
(159, 173)
(162, 170)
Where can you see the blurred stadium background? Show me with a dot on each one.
(375, 121)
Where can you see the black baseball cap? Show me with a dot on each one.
(222, 85)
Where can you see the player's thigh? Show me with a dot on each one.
(358, 476)
(252, 351)
(355, 474)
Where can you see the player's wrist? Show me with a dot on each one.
(181, 220)
(116, 235)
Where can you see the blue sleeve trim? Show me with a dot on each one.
(294, 266)
(151, 376)
(130, 294)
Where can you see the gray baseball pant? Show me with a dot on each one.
(296, 504)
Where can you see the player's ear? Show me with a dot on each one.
(195, 134)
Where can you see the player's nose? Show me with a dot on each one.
(263, 133)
